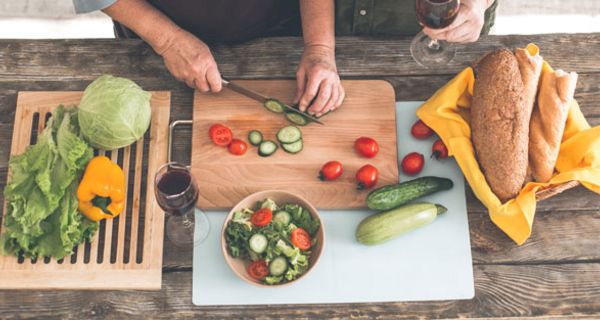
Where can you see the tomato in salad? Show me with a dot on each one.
(366, 147)
(367, 177)
(331, 171)
(301, 239)
(258, 269)
(237, 147)
(262, 217)
(220, 135)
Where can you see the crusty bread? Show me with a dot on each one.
(548, 122)
(500, 123)
(531, 69)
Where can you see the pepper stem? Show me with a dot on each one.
(102, 203)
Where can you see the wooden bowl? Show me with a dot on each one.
(239, 265)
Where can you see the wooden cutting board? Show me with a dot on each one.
(224, 179)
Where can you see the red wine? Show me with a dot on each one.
(176, 192)
(436, 14)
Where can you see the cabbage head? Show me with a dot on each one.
(114, 112)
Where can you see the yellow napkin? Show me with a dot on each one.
(447, 113)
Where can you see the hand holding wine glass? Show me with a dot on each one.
(467, 25)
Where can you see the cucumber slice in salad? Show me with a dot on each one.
(267, 148)
(258, 243)
(278, 266)
(296, 118)
(274, 105)
(282, 217)
(289, 134)
(294, 147)
(255, 137)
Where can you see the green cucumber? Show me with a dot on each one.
(258, 243)
(289, 134)
(267, 148)
(294, 147)
(255, 137)
(282, 217)
(296, 118)
(382, 227)
(278, 266)
(395, 195)
(274, 105)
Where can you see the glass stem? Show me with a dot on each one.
(434, 45)
(187, 222)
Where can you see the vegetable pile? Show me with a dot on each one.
(42, 217)
(276, 239)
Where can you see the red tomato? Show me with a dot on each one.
(237, 147)
(420, 130)
(220, 135)
(367, 177)
(439, 150)
(258, 269)
(367, 147)
(262, 217)
(413, 163)
(331, 171)
(301, 239)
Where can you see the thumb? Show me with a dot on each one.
(300, 85)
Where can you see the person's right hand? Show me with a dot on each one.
(190, 60)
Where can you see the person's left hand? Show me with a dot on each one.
(467, 25)
(318, 80)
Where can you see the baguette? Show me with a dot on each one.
(530, 68)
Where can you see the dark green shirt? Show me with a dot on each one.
(385, 17)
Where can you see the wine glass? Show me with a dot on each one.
(435, 14)
(177, 193)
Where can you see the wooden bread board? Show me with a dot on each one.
(225, 179)
(126, 252)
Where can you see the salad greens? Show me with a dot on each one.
(278, 234)
(42, 218)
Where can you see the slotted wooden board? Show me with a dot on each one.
(224, 179)
(126, 252)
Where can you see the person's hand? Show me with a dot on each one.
(189, 60)
(318, 80)
(467, 25)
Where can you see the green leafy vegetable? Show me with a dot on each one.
(114, 112)
(302, 218)
(42, 218)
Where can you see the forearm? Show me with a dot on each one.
(145, 20)
(318, 23)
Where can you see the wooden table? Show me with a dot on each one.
(554, 274)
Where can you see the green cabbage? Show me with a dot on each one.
(114, 112)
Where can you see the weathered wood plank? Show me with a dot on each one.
(501, 291)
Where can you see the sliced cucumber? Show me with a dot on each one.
(267, 148)
(278, 266)
(296, 118)
(255, 137)
(274, 105)
(289, 134)
(258, 243)
(282, 217)
(294, 147)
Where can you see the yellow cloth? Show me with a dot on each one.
(447, 113)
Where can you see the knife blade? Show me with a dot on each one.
(262, 98)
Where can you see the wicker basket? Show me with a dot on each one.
(553, 190)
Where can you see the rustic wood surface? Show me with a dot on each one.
(369, 110)
(555, 274)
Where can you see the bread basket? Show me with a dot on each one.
(553, 190)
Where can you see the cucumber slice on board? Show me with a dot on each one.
(289, 134)
(267, 148)
(255, 137)
(274, 105)
(296, 118)
(294, 147)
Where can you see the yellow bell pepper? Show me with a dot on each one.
(101, 192)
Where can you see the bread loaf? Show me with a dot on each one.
(500, 123)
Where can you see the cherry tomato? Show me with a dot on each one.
(258, 269)
(220, 135)
(420, 130)
(331, 171)
(367, 147)
(237, 147)
(413, 163)
(367, 177)
(301, 239)
(262, 217)
(439, 150)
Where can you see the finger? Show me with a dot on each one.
(462, 33)
(213, 78)
(312, 87)
(300, 85)
(201, 83)
(340, 98)
(190, 83)
(324, 94)
(335, 94)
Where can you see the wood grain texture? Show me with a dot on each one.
(98, 271)
(369, 110)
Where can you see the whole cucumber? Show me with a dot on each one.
(382, 227)
(395, 195)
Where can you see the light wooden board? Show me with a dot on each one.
(224, 179)
(123, 254)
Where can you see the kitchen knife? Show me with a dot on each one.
(261, 98)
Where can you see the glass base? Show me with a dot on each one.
(431, 55)
(180, 229)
